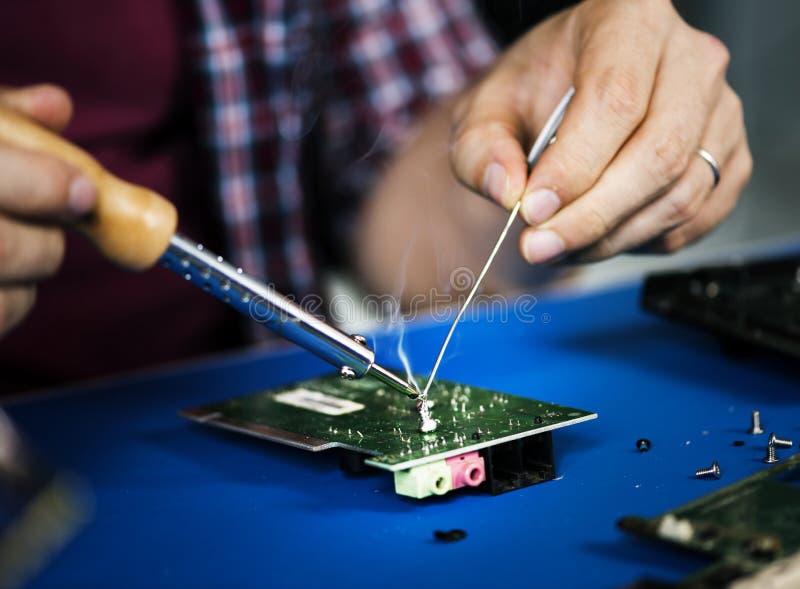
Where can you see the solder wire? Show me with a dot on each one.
(546, 136)
(511, 218)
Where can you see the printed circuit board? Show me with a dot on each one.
(362, 416)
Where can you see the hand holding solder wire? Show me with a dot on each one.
(546, 136)
(651, 155)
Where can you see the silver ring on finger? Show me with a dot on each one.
(711, 161)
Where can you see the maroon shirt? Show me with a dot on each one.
(122, 64)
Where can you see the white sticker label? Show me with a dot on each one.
(319, 402)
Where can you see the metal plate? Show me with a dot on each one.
(470, 418)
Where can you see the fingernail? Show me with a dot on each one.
(539, 206)
(542, 245)
(82, 195)
(495, 182)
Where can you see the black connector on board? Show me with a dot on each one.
(519, 463)
(352, 462)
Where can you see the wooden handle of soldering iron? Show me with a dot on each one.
(130, 225)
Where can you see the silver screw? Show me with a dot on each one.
(779, 442)
(755, 428)
(347, 373)
(360, 339)
(770, 457)
(712, 471)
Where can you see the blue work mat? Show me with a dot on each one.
(180, 505)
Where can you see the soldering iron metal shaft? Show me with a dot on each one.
(135, 227)
(263, 304)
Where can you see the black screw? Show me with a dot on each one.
(476, 436)
(643, 444)
(449, 535)
(538, 419)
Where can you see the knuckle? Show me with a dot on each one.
(670, 158)
(571, 171)
(465, 139)
(472, 145)
(597, 224)
(655, 15)
(717, 51)
(683, 206)
(737, 106)
(619, 92)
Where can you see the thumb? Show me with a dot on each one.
(47, 104)
(487, 138)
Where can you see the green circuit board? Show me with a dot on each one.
(363, 416)
(745, 526)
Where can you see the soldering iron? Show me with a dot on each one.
(135, 228)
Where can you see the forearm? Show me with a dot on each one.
(420, 224)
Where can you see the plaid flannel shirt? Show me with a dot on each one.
(301, 102)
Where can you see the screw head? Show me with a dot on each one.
(360, 339)
(643, 444)
(347, 373)
(716, 471)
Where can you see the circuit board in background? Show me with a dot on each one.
(746, 527)
(363, 416)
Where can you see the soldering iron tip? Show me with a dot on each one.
(393, 381)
